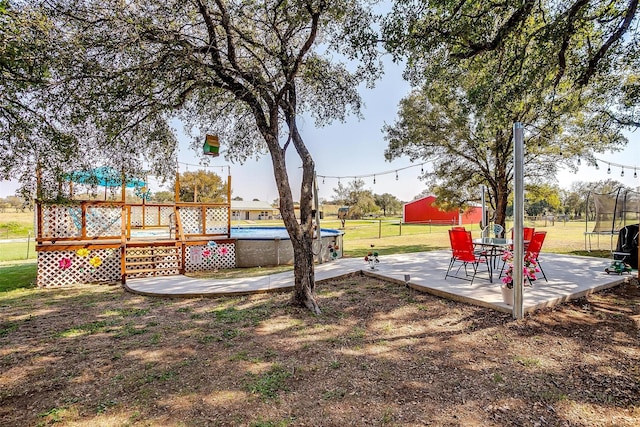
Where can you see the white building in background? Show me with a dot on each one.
(252, 210)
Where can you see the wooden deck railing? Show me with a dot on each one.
(109, 220)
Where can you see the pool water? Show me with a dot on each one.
(271, 233)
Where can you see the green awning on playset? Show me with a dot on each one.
(104, 177)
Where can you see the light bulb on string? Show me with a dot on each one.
(323, 179)
(622, 172)
(579, 162)
(609, 170)
(422, 168)
(596, 165)
(374, 179)
(635, 173)
(396, 175)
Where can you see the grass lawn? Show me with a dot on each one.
(17, 276)
(380, 354)
(14, 225)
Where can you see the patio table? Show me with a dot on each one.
(496, 247)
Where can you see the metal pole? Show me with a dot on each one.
(316, 202)
(518, 219)
(483, 222)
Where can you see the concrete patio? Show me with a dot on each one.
(570, 277)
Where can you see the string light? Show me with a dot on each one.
(186, 165)
(374, 179)
(374, 175)
(579, 162)
(617, 165)
(596, 165)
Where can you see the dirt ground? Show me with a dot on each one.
(380, 354)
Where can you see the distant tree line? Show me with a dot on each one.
(363, 202)
(14, 202)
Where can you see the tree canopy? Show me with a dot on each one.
(360, 200)
(481, 66)
(120, 72)
(202, 186)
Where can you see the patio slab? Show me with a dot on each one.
(570, 277)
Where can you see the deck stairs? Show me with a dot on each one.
(147, 261)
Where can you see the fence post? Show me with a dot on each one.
(379, 228)
(28, 241)
(400, 222)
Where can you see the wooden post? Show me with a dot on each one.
(203, 214)
(177, 187)
(229, 202)
(83, 219)
(124, 187)
(38, 201)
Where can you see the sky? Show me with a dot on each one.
(356, 148)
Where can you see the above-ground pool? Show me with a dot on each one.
(271, 233)
(262, 246)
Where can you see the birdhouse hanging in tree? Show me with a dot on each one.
(211, 146)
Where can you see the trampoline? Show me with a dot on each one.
(610, 213)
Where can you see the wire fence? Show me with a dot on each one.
(570, 233)
(20, 248)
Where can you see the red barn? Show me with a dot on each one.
(424, 211)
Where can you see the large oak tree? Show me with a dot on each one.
(479, 66)
(245, 70)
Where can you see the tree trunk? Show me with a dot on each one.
(304, 273)
(301, 233)
(502, 198)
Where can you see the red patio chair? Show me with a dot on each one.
(527, 235)
(534, 247)
(532, 251)
(462, 251)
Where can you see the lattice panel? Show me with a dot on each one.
(61, 221)
(207, 258)
(165, 213)
(104, 221)
(217, 220)
(191, 219)
(136, 216)
(151, 216)
(65, 268)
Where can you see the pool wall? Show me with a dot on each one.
(261, 252)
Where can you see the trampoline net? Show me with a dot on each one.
(613, 211)
(628, 211)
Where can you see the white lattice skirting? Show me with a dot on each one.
(206, 258)
(64, 268)
(67, 267)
